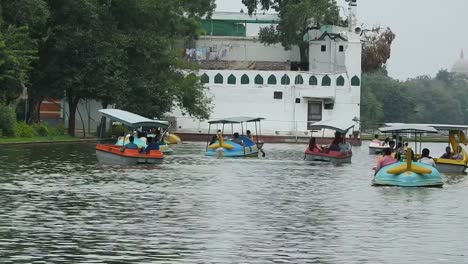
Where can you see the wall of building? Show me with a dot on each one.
(240, 49)
(283, 116)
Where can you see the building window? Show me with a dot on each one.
(340, 81)
(258, 79)
(204, 78)
(314, 113)
(231, 79)
(323, 48)
(285, 80)
(313, 80)
(326, 81)
(341, 48)
(298, 100)
(299, 80)
(355, 81)
(218, 78)
(245, 79)
(272, 79)
(278, 95)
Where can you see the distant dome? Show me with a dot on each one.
(461, 65)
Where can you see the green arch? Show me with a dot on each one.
(299, 79)
(218, 78)
(245, 79)
(326, 81)
(340, 81)
(285, 80)
(258, 79)
(272, 79)
(205, 78)
(231, 79)
(355, 81)
(313, 80)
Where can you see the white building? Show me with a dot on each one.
(247, 78)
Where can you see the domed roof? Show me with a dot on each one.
(461, 65)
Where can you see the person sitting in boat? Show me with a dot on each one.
(376, 139)
(249, 135)
(213, 139)
(459, 155)
(236, 139)
(386, 160)
(425, 158)
(152, 145)
(385, 143)
(130, 144)
(448, 153)
(335, 145)
(313, 146)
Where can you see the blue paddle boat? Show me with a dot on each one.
(235, 145)
(406, 172)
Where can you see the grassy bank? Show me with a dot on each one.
(19, 140)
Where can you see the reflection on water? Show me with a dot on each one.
(58, 205)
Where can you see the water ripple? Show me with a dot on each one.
(58, 205)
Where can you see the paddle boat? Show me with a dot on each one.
(117, 154)
(164, 140)
(376, 148)
(406, 172)
(235, 145)
(338, 152)
(456, 139)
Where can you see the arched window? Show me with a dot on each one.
(355, 81)
(272, 79)
(326, 81)
(204, 78)
(285, 80)
(245, 79)
(299, 80)
(313, 80)
(231, 79)
(218, 78)
(258, 79)
(340, 81)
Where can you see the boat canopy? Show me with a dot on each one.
(236, 120)
(443, 127)
(132, 120)
(336, 125)
(408, 128)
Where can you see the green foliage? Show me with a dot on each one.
(58, 130)
(7, 120)
(376, 48)
(420, 100)
(41, 129)
(24, 130)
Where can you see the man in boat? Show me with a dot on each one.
(376, 139)
(152, 145)
(130, 145)
(425, 158)
(249, 135)
(236, 139)
(459, 155)
(448, 153)
(335, 145)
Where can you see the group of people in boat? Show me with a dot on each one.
(338, 144)
(152, 143)
(392, 154)
(234, 138)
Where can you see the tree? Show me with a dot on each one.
(376, 48)
(296, 16)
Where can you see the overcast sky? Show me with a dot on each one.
(429, 33)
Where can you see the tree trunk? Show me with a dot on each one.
(72, 105)
(304, 52)
(102, 126)
(34, 108)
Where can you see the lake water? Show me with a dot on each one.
(58, 205)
